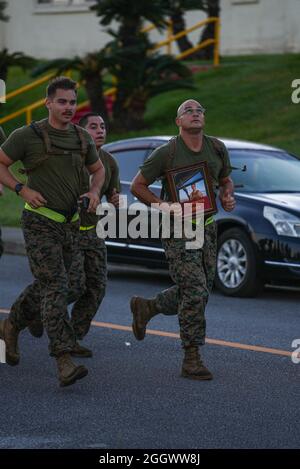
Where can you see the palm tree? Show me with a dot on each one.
(3, 17)
(15, 59)
(178, 23)
(130, 14)
(91, 68)
(212, 8)
(138, 74)
(151, 75)
(178, 7)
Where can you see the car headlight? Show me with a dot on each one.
(284, 223)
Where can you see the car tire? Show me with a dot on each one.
(236, 271)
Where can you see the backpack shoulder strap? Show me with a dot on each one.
(83, 141)
(170, 158)
(112, 162)
(218, 147)
(40, 128)
(171, 152)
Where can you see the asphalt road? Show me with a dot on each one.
(134, 397)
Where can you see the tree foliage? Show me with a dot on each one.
(3, 17)
(91, 69)
(178, 8)
(15, 59)
(139, 73)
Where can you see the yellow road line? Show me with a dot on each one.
(223, 343)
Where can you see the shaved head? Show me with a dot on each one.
(190, 117)
(186, 104)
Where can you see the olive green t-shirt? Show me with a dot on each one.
(2, 136)
(159, 162)
(111, 182)
(59, 178)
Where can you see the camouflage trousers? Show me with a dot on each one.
(1, 244)
(50, 247)
(93, 275)
(87, 278)
(193, 273)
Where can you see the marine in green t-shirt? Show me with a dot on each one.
(192, 270)
(160, 161)
(110, 186)
(89, 267)
(53, 152)
(58, 178)
(93, 249)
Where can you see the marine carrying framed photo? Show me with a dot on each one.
(192, 185)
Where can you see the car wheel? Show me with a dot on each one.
(236, 273)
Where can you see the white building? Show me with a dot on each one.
(63, 28)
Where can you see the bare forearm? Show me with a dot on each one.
(226, 185)
(6, 177)
(227, 194)
(97, 181)
(143, 193)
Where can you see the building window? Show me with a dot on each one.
(64, 2)
(65, 6)
(243, 2)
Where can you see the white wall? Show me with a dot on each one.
(248, 26)
(2, 34)
(260, 26)
(52, 35)
(293, 28)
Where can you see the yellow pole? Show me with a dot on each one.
(28, 87)
(28, 115)
(217, 43)
(169, 34)
(190, 51)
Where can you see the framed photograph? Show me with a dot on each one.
(192, 185)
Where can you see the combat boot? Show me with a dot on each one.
(193, 367)
(9, 333)
(36, 328)
(143, 310)
(80, 351)
(68, 372)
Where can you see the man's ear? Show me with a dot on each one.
(177, 121)
(47, 102)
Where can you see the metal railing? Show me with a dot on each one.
(173, 37)
(27, 110)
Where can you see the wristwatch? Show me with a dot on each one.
(18, 188)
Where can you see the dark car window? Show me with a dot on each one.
(129, 162)
(267, 171)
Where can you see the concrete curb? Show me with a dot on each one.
(13, 241)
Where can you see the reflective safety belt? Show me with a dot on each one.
(55, 216)
(86, 228)
(208, 221)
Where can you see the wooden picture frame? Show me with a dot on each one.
(193, 185)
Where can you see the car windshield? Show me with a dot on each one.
(129, 162)
(267, 171)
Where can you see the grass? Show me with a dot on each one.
(247, 97)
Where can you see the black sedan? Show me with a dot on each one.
(258, 242)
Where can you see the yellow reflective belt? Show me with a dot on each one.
(47, 212)
(208, 221)
(86, 228)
